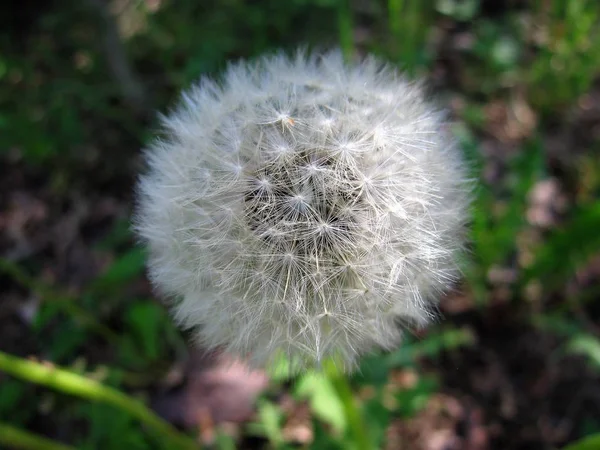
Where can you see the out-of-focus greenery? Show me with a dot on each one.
(79, 84)
(568, 47)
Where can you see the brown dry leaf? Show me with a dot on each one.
(457, 302)
(217, 389)
(546, 202)
(298, 426)
(510, 122)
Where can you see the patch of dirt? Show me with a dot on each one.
(524, 391)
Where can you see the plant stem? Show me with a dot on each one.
(17, 438)
(345, 29)
(395, 25)
(395, 11)
(80, 386)
(119, 64)
(351, 409)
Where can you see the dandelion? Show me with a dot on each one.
(303, 207)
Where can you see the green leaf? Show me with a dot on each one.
(129, 353)
(558, 324)
(281, 369)
(461, 10)
(374, 370)
(66, 340)
(11, 392)
(224, 441)
(323, 399)
(125, 268)
(46, 312)
(119, 234)
(146, 319)
(587, 345)
(567, 248)
(378, 417)
(587, 443)
(111, 429)
(270, 420)
(430, 346)
(412, 400)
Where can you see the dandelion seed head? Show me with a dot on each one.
(303, 207)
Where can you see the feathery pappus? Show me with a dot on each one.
(303, 206)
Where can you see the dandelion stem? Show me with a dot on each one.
(80, 386)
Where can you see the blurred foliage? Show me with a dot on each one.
(567, 58)
(70, 120)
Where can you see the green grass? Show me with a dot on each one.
(71, 127)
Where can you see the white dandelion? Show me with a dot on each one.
(303, 207)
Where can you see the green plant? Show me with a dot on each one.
(408, 22)
(70, 132)
(567, 57)
(91, 390)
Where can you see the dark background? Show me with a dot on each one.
(514, 361)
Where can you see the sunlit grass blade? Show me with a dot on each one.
(80, 386)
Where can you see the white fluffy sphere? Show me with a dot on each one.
(303, 207)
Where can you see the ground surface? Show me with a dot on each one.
(527, 379)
